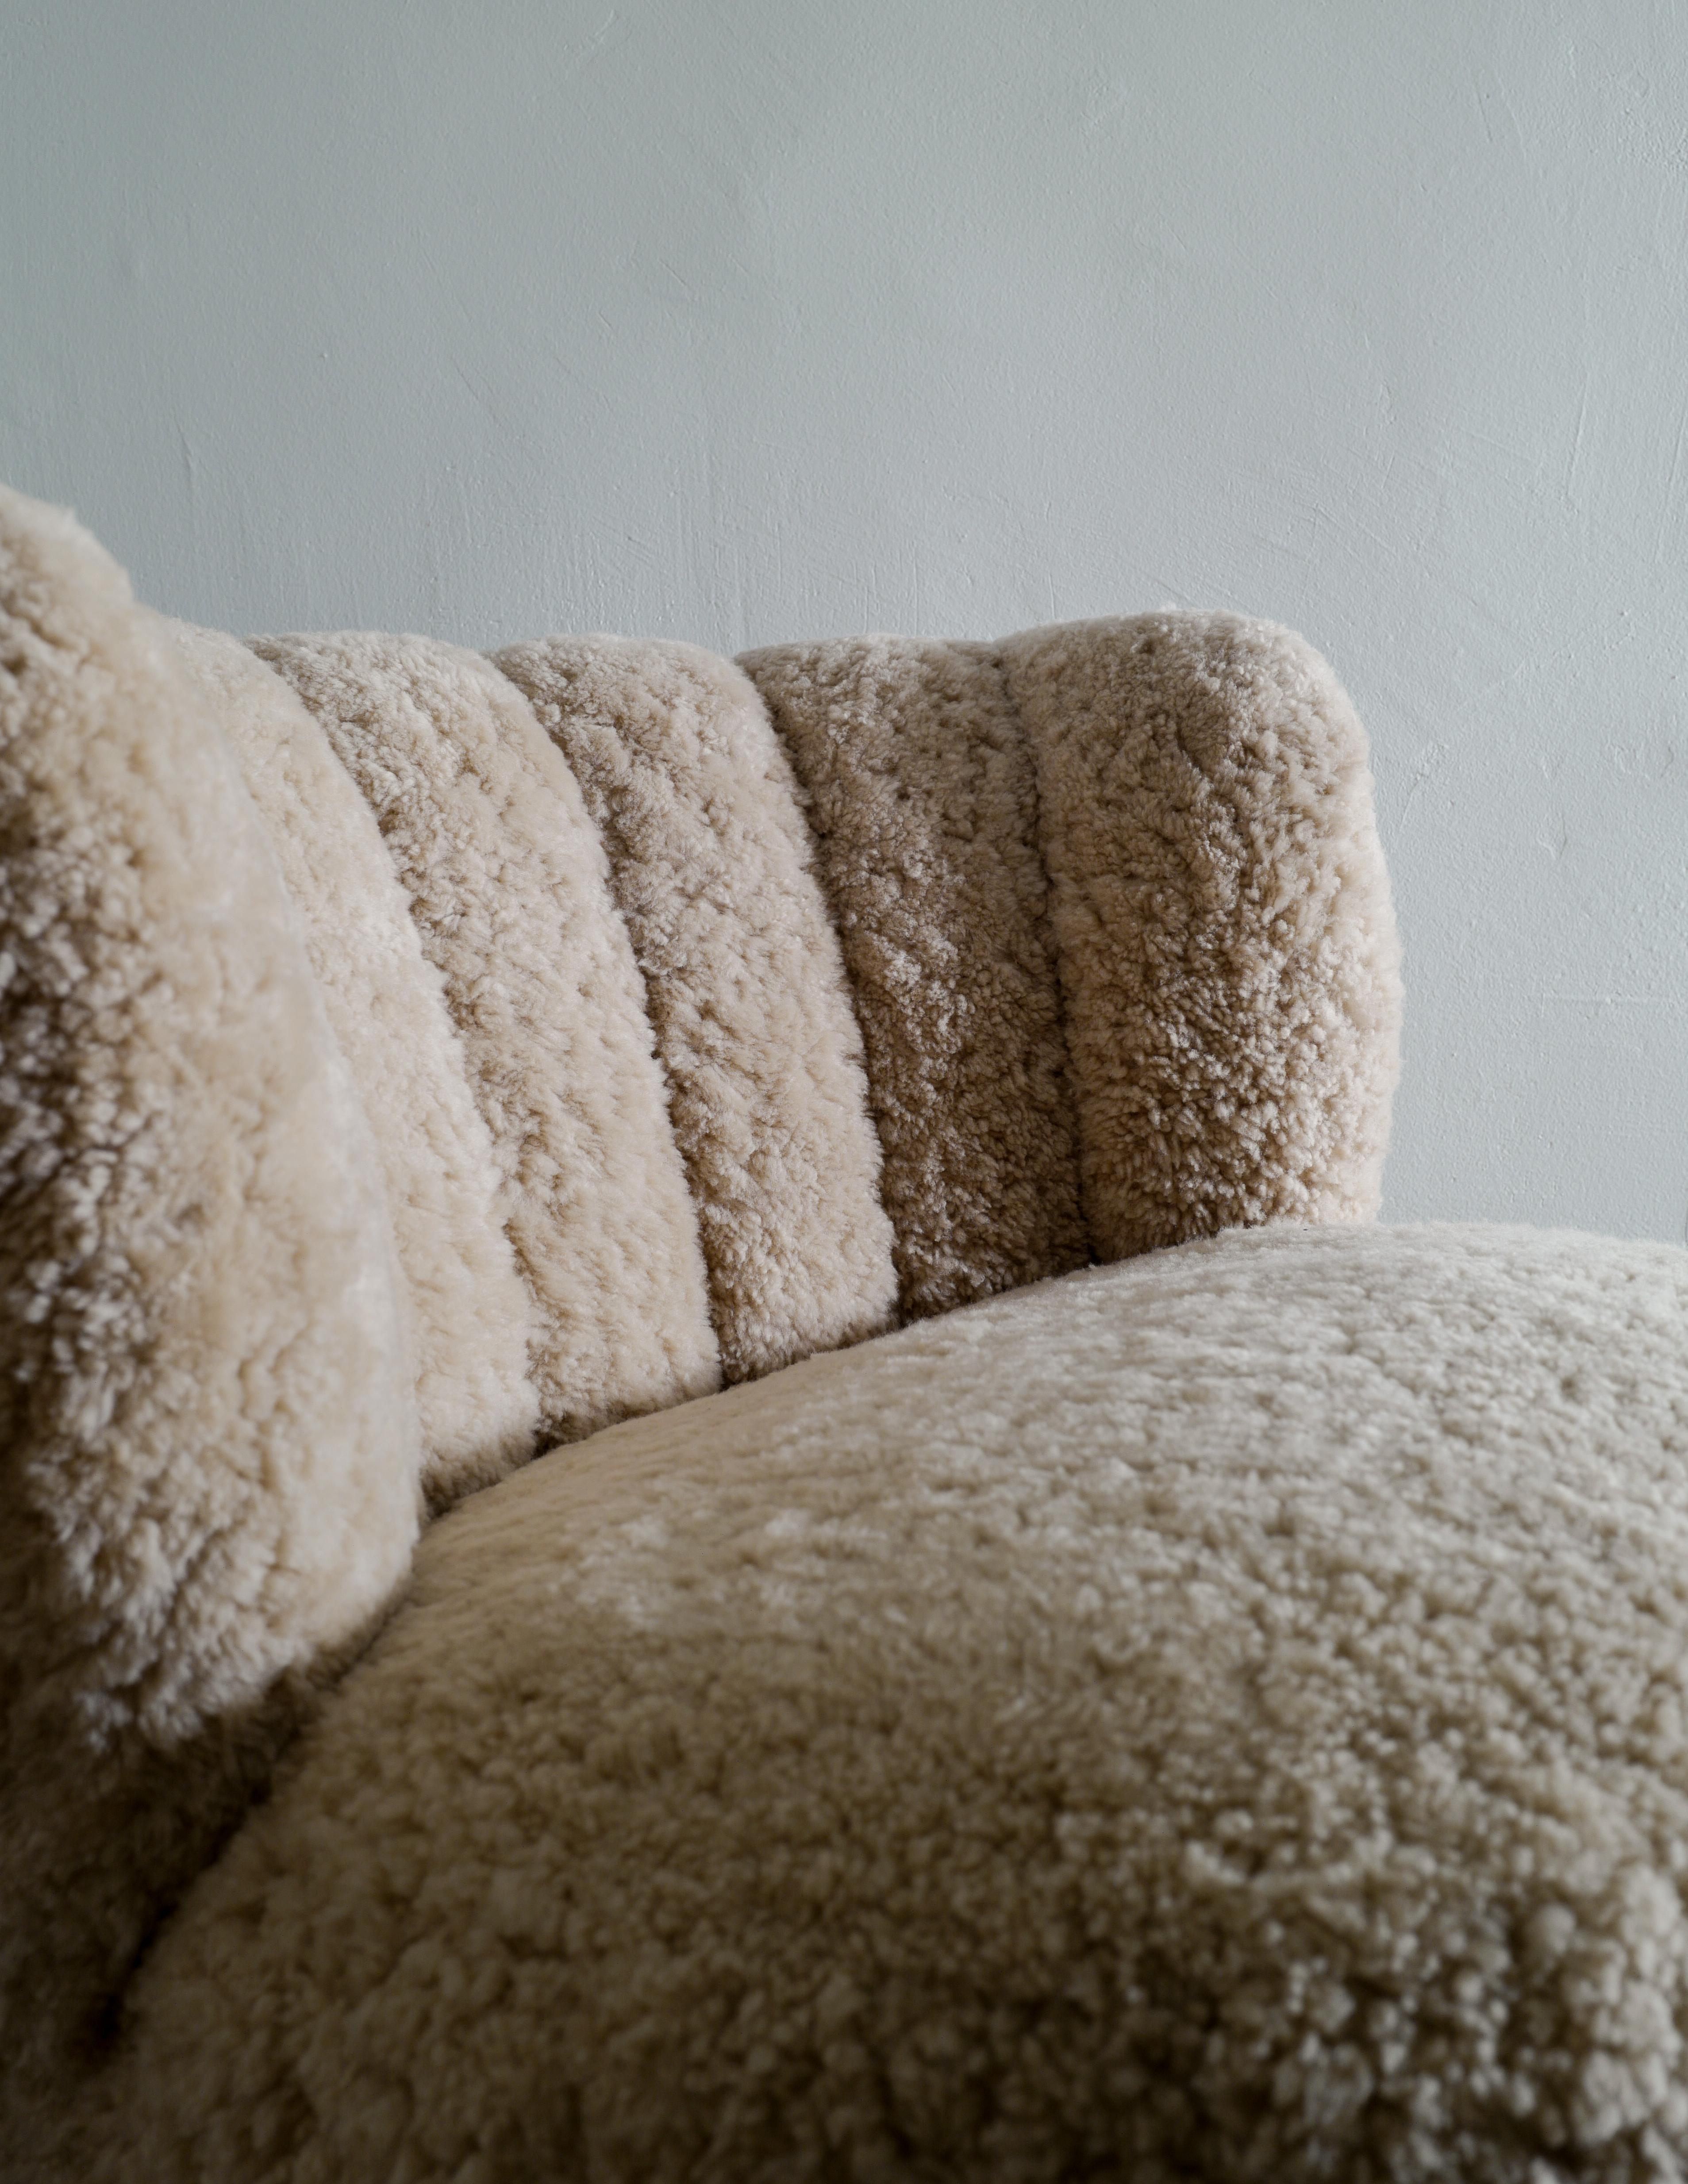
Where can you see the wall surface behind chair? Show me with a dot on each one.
(740, 320)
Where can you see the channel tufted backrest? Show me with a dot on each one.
(842, 985)
(705, 1014)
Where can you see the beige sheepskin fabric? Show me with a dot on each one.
(209, 1452)
(709, 861)
(508, 886)
(1220, 1716)
(1222, 912)
(469, 1319)
(920, 790)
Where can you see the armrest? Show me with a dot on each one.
(207, 1467)
(1226, 945)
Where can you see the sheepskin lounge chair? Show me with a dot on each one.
(710, 1467)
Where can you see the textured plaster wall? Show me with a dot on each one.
(753, 318)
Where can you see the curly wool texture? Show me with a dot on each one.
(920, 790)
(469, 1319)
(207, 1449)
(1227, 945)
(1221, 1716)
(509, 885)
(709, 863)
(1218, 1717)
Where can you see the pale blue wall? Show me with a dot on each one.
(751, 320)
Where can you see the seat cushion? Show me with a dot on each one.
(1221, 1715)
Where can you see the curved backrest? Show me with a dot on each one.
(860, 980)
(702, 1015)
(847, 984)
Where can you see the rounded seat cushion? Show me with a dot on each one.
(1219, 1716)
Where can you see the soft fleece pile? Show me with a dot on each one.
(1215, 1715)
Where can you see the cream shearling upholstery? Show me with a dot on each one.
(1020, 1635)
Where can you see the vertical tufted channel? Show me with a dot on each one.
(469, 1317)
(1221, 915)
(920, 788)
(508, 886)
(710, 865)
